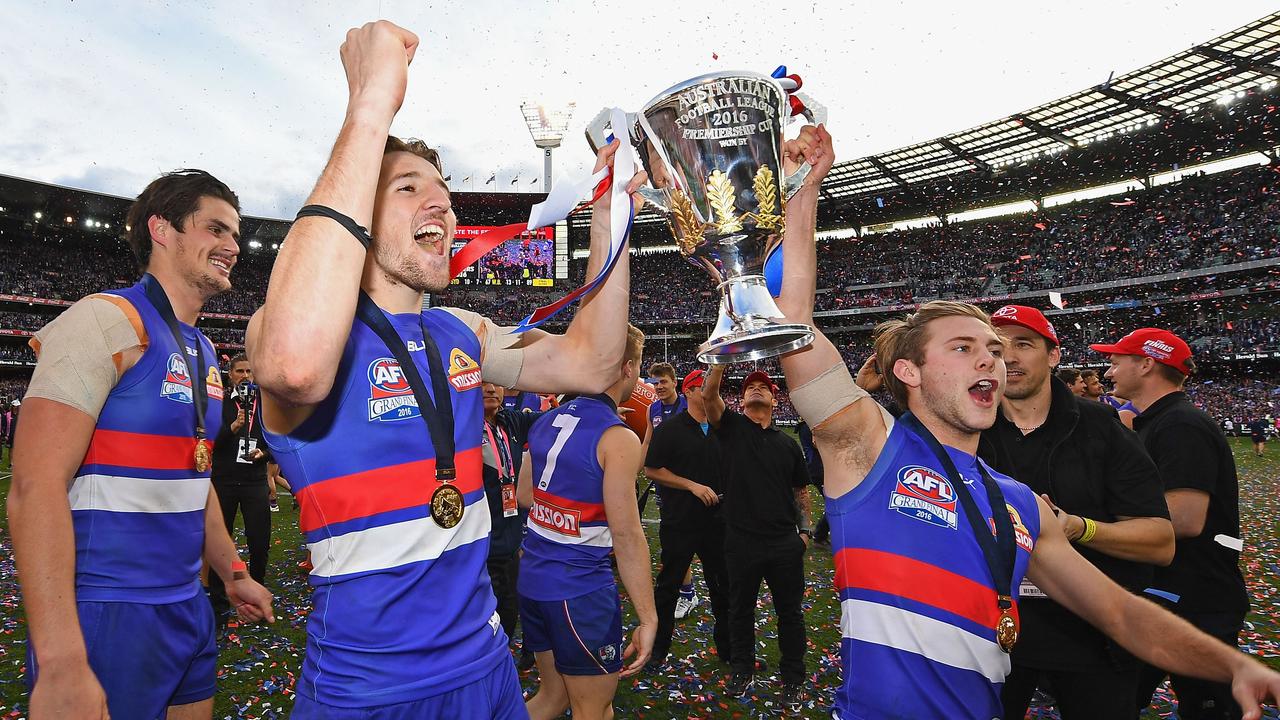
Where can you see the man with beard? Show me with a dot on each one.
(111, 508)
(766, 534)
(1093, 389)
(372, 406)
(1203, 583)
(926, 570)
(1095, 474)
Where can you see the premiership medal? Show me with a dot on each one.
(1007, 630)
(446, 506)
(202, 455)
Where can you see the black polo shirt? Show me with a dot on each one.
(1090, 465)
(762, 469)
(1192, 453)
(680, 446)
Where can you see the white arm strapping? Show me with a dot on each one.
(80, 354)
(500, 361)
(828, 394)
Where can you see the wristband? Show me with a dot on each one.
(1090, 529)
(356, 229)
(239, 570)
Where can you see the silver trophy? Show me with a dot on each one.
(712, 147)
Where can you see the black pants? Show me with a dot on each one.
(1102, 694)
(779, 562)
(251, 500)
(503, 571)
(679, 545)
(1197, 699)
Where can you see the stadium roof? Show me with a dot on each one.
(1177, 85)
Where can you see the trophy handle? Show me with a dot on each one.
(655, 197)
(597, 136)
(599, 133)
(815, 113)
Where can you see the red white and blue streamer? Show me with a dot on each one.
(565, 199)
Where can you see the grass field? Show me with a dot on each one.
(259, 665)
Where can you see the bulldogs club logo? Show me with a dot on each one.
(609, 653)
(177, 381)
(1020, 533)
(213, 383)
(922, 493)
(390, 397)
(464, 373)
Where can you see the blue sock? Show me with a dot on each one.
(686, 591)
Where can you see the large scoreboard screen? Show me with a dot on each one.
(538, 258)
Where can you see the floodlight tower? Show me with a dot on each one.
(547, 126)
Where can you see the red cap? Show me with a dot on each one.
(1027, 317)
(1160, 345)
(761, 376)
(694, 379)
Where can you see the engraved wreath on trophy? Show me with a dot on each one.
(712, 147)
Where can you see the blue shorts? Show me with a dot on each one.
(583, 633)
(148, 657)
(496, 695)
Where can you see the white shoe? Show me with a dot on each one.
(685, 605)
(275, 506)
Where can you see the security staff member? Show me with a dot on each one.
(240, 477)
(1203, 584)
(766, 527)
(684, 460)
(1073, 452)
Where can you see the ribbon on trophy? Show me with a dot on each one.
(773, 264)
(565, 199)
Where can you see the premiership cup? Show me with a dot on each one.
(712, 147)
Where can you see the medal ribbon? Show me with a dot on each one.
(501, 451)
(199, 394)
(999, 550)
(564, 200)
(439, 418)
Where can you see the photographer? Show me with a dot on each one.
(240, 466)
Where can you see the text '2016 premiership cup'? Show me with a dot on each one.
(712, 147)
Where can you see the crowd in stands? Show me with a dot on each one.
(1236, 398)
(1200, 222)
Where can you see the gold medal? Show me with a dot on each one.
(202, 455)
(1007, 630)
(446, 506)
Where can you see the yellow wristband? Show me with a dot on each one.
(1090, 529)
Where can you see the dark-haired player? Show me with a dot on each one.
(373, 408)
(111, 508)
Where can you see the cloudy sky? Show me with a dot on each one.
(105, 95)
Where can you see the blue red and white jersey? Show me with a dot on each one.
(524, 402)
(403, 606)
(660, 412)
(918, 605)
(137, 500)
(566, 551)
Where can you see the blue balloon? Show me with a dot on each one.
(773, 271)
